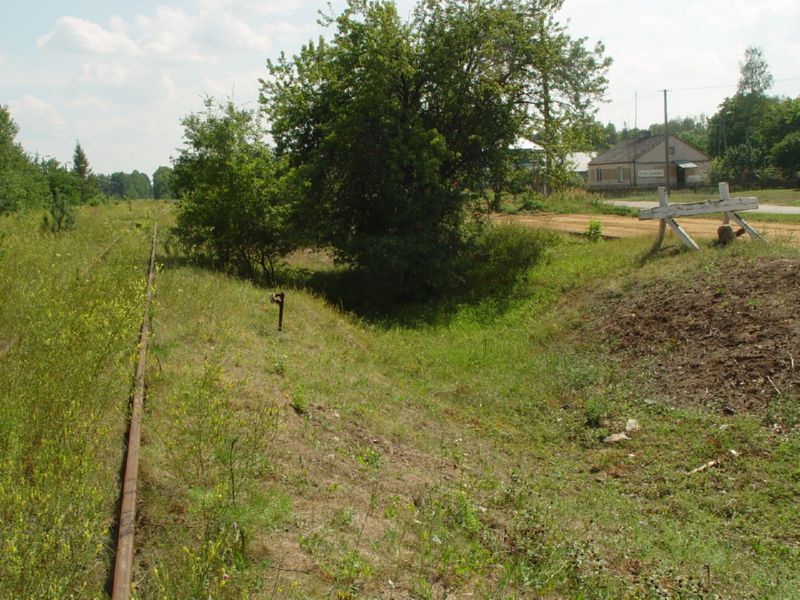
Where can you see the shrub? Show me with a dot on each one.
(234, 195)
(61, 214)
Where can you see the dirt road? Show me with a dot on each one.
(618, 227)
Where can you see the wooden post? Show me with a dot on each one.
(663, 201)
(724, 194)
(666, 145)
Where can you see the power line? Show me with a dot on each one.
(726, 85)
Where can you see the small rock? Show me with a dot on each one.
(632, 425)
(649, 401)
(616, 437)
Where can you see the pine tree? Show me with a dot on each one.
(80, 164)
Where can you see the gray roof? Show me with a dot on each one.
(627, 150)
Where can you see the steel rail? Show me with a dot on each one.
(123, 567)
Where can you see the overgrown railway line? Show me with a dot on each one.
(124, 552)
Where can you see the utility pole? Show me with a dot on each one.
(666, 144)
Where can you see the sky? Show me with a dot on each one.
(119, 76)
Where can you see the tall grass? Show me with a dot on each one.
(70, 308)
(454, 447)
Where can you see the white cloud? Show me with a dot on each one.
(71, 34)
(223, 30)
(31, 107)
(107, 74)
(88, 102)
(42, 130)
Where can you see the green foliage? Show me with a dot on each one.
(396, 126)
(89, 187)
(61, 214)
(786, 154)
(693, 130)
(235, 197)
(752, 135)
(22, 184)
(128, 186)
(595, 411)
(163, 187)
(594, 231)
(61, 181)
(754, 77)
(80, 164)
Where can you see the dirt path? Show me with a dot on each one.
(618, 227)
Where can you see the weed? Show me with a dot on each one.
(594, 231)
(298, 401)
(368, 457)
(279, 364)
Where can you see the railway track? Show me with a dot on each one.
(123, 563)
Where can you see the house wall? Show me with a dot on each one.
(611, 177)
(648, 170)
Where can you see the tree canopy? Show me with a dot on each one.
(394, 126)
(128, 186)
(753, 135)
(234, 195)
(22, 183)
(754, 75)
(163, 187)
(80, 164)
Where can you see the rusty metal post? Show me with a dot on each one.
(279, 300)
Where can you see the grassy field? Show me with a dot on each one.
(70, 310)
(445, 450)
(781, 197)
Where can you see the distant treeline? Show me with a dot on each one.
(34, 182)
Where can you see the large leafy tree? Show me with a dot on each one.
(754, 75)
(234, 196)
(395, 125)
(752, 135)
(129, 186)
(22, 183)
(162, 183)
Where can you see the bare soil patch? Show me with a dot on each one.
(615, 226)
(727, 339)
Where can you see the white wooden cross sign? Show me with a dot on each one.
(726, 205)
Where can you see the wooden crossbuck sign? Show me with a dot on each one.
(726, 205)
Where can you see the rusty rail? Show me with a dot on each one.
(123, 567)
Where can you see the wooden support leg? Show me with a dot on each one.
(681, 233)
(662, 228)
(745, 225)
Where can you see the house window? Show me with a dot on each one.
(598, 174)
(672, 150)
(621, 174)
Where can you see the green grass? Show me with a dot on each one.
(70, 308)
(567, 202)
(462, 452)
(453, 449)
(781, 197)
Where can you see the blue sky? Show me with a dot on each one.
(120, 75)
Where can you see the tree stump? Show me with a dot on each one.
(725, 235)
